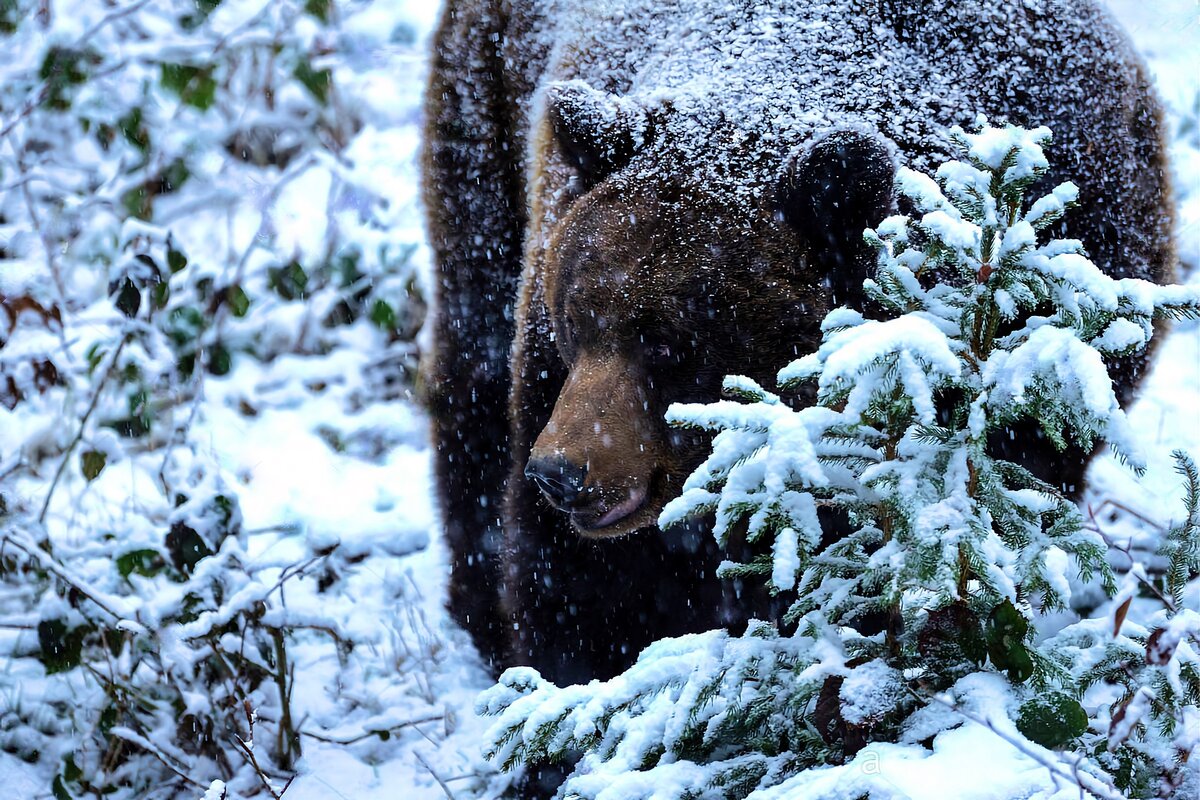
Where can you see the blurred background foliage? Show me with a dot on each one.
(189, 191)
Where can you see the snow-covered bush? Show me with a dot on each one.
(921, 611)
(188, 187)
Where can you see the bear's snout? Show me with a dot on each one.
(561, 481)
(600, 456)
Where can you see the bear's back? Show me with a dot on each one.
(747, 83)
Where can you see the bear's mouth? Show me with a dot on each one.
(603, 519)
(595, 517)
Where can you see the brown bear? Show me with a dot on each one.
(631, 199)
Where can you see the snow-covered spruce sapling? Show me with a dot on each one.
(950, 546)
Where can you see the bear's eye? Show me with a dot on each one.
(662, 355)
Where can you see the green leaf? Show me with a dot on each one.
(62, 68)
(1053, 720)
(92, 463)
(195, 86)
(192, 21)
(315, 80)
(71, 770)
(94, 355)
(220, 360)
(10, 16)
(138, 202)
(289, 282)
(184, 325)
(59, 790)
(160, 294)
(129, 299)
(140, 411)
(61, 649)
(383, 315)
(225, 507)
(238, 300)
(176, 260)
(1007, 629)
(176, 77)
(108, 718)
(141, 562)
(319, 9)
(186, 547)
(175, 175)
(134, 131)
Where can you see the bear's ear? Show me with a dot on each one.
(838, 186)
(599, 132)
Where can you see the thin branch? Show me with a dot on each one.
(288, 743)
(51, 565)
(1058, 768)
(1136, 568)
(176, 434)
(111, 17)
(247, 749)
(112, 365)
(436, 777)
(43, 237)
(412, 723)
(136, 739)
(252, 760)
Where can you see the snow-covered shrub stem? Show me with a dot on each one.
(913, 556)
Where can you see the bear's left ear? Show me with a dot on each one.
(599, 132)
(838, 186)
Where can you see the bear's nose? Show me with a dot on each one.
(559, 479)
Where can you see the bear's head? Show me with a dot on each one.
(657, 284)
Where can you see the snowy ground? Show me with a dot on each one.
(377, 500)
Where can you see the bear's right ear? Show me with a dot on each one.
(838, 186)
(599, 132)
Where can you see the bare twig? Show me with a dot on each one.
(112, 17)
(244, 26)
(136, 739)
(13, 464)
(1135, 566)
(296, 570)
(1057, 767)
(43, 237)
(112, 365)
(1109, 503)
(412, 723)
(51, 565)
(288, 743)
(436, 777)
(247, 749)
(175, 435)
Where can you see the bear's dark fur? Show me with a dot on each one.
(629, 200)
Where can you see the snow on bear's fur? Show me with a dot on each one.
(631, 199)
